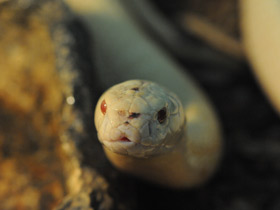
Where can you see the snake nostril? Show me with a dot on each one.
(135, 89)
(134, 115)
(126, 122)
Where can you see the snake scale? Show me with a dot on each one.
(156, 124)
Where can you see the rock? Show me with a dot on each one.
(42, 123)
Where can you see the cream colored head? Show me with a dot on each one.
(139, 118)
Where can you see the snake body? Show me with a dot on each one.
(260, 26)
(182, 151)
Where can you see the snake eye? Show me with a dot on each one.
(103, 107)
(161, 115)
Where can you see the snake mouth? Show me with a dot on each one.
(125, 139)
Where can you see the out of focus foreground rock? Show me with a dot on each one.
(39, 162)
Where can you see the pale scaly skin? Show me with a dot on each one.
(132, 110)
(157, 151)
(122, 51)
(260, 24)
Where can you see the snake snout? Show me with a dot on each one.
(133, 115)
(135, 89)
(128, 133)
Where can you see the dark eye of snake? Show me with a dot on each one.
(161, 115)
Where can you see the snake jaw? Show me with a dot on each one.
(128, 133)
(120, 135)
(125, 139)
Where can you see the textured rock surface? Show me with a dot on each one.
(31, 157)
(42, 93)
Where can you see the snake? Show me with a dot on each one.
(153, 121)
(260, 24)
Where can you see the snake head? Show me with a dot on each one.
(139, 118)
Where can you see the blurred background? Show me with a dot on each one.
(50, 157)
